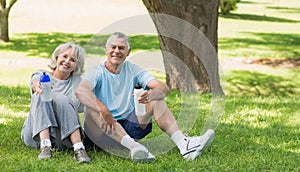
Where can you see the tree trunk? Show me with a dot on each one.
(4, 27)
(187, 52)
(4, 13)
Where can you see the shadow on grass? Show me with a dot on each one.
(258, 84)
(251, 2)
(285, 9)
(43, 44)
(283, 45)
(258, 18)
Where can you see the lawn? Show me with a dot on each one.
(260, 126)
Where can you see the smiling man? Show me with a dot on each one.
(107, 90)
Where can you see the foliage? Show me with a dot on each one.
(228, 5)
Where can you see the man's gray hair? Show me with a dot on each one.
(118, 35)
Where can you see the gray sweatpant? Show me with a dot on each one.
(59, 115)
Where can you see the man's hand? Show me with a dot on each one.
(107, 122)
(152, 95)
(144, 97)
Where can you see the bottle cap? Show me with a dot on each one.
(45, 78)
(138, 86)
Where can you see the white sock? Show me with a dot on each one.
(128, 142)
(178, 139)
(45, 142)
(78, 146)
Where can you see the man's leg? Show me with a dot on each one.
(162, 115)
(116, 138)
(190, 147)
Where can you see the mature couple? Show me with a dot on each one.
(106, 93)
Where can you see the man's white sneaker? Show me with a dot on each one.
(140, 153)
(150, 157)
(196, 145)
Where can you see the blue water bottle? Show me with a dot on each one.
(46, 87)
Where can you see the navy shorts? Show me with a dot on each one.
(133, 128)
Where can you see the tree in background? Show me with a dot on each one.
(4, 13)
(228, 5)
(203, 14)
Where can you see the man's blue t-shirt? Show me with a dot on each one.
(115, 90)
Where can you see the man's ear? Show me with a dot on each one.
(105, 50)
(128, 52)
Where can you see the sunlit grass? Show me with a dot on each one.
(253, 130)
(14, 75)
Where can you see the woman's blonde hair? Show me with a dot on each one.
(78, 52)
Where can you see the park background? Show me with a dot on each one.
(259, 51)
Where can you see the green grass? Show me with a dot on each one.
(255, 134)
(266, 45)
(275, 82)
(260, 127)
(43, 44)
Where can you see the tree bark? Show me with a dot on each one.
(203, 15)
(4, 14)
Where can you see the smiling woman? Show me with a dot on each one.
(56, 122)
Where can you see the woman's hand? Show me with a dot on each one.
(36, 87)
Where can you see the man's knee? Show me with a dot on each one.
(159, 106)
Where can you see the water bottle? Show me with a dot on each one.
(140, 108)
(46, 87)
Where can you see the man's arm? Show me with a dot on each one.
(88, 98)
(159, 91)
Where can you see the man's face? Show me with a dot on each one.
(117, 50)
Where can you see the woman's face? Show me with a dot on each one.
(66, 62)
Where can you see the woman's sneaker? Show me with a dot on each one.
(46, 153)
(196, 145)
(81, 156)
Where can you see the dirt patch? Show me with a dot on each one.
(280, 63)
(258, 64)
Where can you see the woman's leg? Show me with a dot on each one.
(35, 132)
(69, 127)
